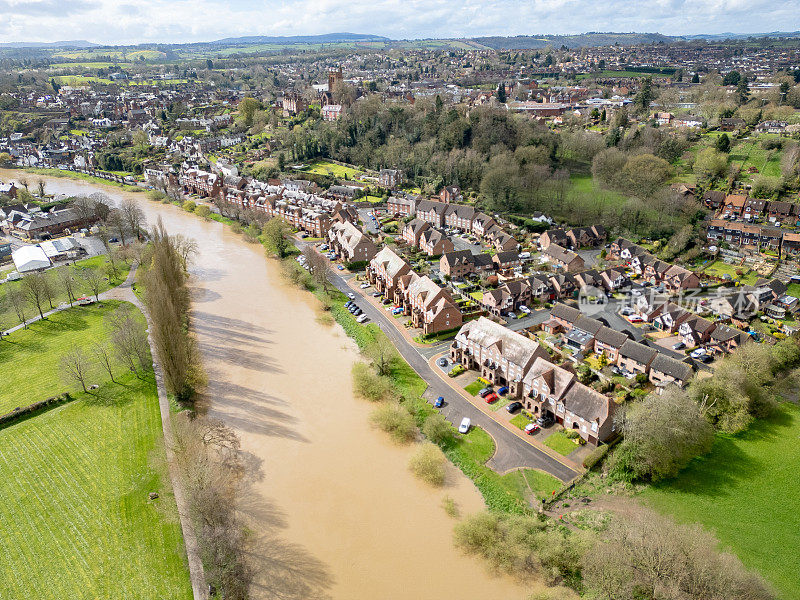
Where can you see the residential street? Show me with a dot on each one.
(512, 452)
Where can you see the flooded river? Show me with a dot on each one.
(347, 519)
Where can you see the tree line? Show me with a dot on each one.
(166, 295)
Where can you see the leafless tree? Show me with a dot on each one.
(186, 247)
(49, 288)
(105, 358)
(19, 302)
(129, 341)
(76, 366)
(34, 285)
(41, 185)
(95, 280)
(101, 206)
(133, 216)
(318, 266)
(117, 223)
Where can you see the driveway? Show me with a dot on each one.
(512, 452)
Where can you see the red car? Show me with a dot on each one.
(490, 397)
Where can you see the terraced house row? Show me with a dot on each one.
(430, 307)
(460, 217)
(507, 358)
(673, 277)
(754, 238)
(588, 335)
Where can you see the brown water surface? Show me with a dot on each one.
(345, 517)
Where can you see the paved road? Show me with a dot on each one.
(512, 452)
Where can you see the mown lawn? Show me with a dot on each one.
(748, 493)
(474, 387)
(74, 482)
(559, 442)
(31, 357)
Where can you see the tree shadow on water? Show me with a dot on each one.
(282, 570)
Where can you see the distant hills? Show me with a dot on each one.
(520, 42)
(326, 38)
(63, 44)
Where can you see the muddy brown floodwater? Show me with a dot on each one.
(346, 518)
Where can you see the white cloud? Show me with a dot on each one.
(111, 22)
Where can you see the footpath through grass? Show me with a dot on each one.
(747, 492)
(74, 481)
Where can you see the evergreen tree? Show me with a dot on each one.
(501, 93)
(723, 143)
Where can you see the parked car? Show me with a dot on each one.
(348, 304)
(514, 406)
(357, 312)
(340, 267)
(635, 319)
(511, 315)
(362, 318)
(678, 346)
(503, 391)
(544, 421)
(698, 353)
(364, 286)
(442, 362)
(524, 309)
(439, 402)
(375, 294)
(625, 311)
(397, 311)
(706, 358)
(351, 295)
(531, 428)
(485, 392)
(465, 424)
(615, 370)
(491, 397)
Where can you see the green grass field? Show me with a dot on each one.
(8, 317)
(747, 492)
(77, 521)
(326, 167)
(31, 356)
(750, 153)
(559, 442)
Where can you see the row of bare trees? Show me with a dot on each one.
(167, 298)
(40, 292)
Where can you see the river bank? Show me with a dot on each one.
(346, 516)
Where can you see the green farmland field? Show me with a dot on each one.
(74, 481)
(747, 492)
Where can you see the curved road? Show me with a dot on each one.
(511, 453)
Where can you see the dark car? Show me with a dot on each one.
(439, 402)
(348, 304)
(503, 391)
(544, 421)
(442, 362)
(485, 392)
(514, 406)
(357, 311)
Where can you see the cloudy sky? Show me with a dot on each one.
(133, 21)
